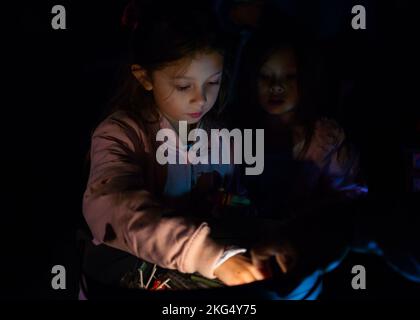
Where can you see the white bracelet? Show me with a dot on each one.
(229, 253)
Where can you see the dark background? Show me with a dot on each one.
(61, 81)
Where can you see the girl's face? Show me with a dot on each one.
(187, 89)
(277, 83)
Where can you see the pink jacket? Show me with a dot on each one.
(335, 164)
(124, 200)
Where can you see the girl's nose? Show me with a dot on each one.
(277, 89)
(199, 98)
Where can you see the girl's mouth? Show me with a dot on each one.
(276, 100)
(195, 115)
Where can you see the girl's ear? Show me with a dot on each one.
(142, 77)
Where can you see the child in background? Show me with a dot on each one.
(307, 157)
(135, 205)
(310, 169)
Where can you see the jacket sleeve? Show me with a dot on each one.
(336, 160)
(341, 170)
(343, 166)
(123, 214)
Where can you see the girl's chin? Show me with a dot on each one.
(276, 109)
(193, 121)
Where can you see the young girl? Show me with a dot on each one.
(306, 156)
(309, 167)
(133, 204)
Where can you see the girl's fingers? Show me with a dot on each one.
(259, 258)
(249, 273)
(248, 277)
(242, 277)
(286, 259)
(256, 273)
(241, 271)
(254, 269)
(282, 262)
(284, 256)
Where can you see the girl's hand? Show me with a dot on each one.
(238, 270)
(284, 253)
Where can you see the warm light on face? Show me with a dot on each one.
(188, 89)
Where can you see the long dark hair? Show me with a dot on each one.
(261, 45)
(162, 32)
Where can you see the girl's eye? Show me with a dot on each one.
(182, 88)
(214, 83)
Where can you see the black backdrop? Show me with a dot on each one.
(58, 82)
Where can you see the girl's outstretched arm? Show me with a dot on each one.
(124, 213)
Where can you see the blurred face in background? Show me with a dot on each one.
(277, 82)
